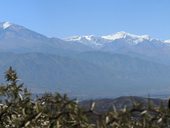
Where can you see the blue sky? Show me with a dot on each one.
(62, 18)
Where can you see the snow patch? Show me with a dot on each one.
(167, 41)
(6, 25)
(80, 38)
(124, 35)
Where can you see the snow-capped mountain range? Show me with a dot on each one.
(88, 40)
(99, 41)
(110, 38)
(110, 65)
(22, 40)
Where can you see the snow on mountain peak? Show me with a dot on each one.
(89, 40)
(99, 41)
(118, 35)
(80, 38)
(167, 41)
(108, 38)
(125, 35)
(5, 25)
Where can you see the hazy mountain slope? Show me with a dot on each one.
(96, 75)
(136, 72)
(50, 71)
(118, 62)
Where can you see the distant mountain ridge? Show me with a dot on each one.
(105, 105)
(86, 66)
(131, 39)
(109, 38)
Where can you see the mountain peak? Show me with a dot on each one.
(80, 38)
(125, 35)
(117, 35)
(5, 25)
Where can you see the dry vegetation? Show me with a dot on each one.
(18, 109)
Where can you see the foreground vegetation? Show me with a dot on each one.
(19, 109)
